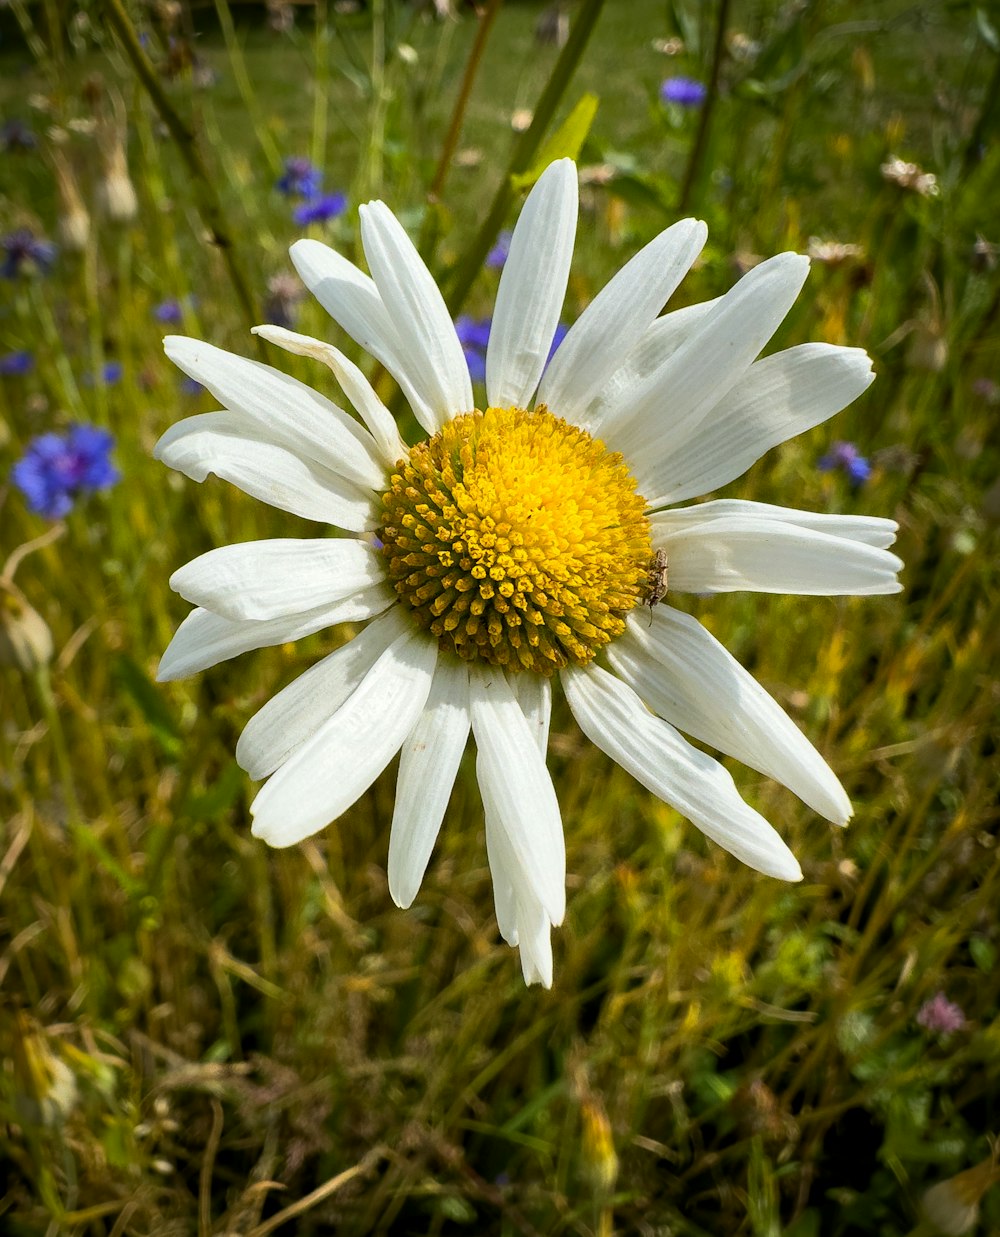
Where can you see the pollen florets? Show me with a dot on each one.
(516, 539)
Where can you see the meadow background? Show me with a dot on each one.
(201, 1035)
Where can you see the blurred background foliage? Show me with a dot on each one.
(202, 1035)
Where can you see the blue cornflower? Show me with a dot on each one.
(16, 363)
(474, 335)
(684, 91)
(24, 248)
(301, 179)
(168, 312)
(846, 457)
(58, 467)
(109, 373)
(497, 256)
(319, 210)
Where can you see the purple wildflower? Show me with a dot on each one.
(16, 363)
(16, 135)
(56, 468)
(191, 386)
(497, 256)
(168, 312)
(319, 210)
(684, 91)
(109, 373)
(25, 249)
(846, 457)
(474, 334)
(300, 180)
(560, 335)
(941, 1015)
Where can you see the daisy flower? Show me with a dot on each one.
(519, 546)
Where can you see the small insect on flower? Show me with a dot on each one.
(656, 582)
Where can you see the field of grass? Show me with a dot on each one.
(203, 1035)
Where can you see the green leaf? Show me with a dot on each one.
(565, 143)
(221, 794)
(137, 684)
(641, 192)
(984, 953)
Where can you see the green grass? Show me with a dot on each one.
(198, 1031)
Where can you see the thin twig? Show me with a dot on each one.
(469, 264)
(207, 1166)
(458, 115)
(207, 200)
(29, 547)
(365, 1165)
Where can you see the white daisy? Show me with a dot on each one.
(518, 545)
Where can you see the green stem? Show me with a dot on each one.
(374, 169)
(321, 88)
(82, 833)
(35, 44)
(989, 113)
(55, 346)
(458, 115)
(207, 200)
(259, 125)
(700, 145)
(471, 262)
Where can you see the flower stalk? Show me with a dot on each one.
(469, 265)
(207, 200)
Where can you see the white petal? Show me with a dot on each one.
(342, 759)
(293, 716)
(870, 529)
(615, 720)
(355, 385)
(686, 676)
(204, 639)
(535, 945)
(352, 300)
(534, 696)
(514, 772)
(521, 918)
(678, 394)
(432, 352)
(766, 556)
(617, 320)
(532, 288)
(291, 412)
(659, 342)
(428, 763)
(284, 576)
(503, 867)
(780, 397)
(239, 451)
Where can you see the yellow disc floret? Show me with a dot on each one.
(516, 539)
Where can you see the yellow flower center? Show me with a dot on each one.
(516, 539)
